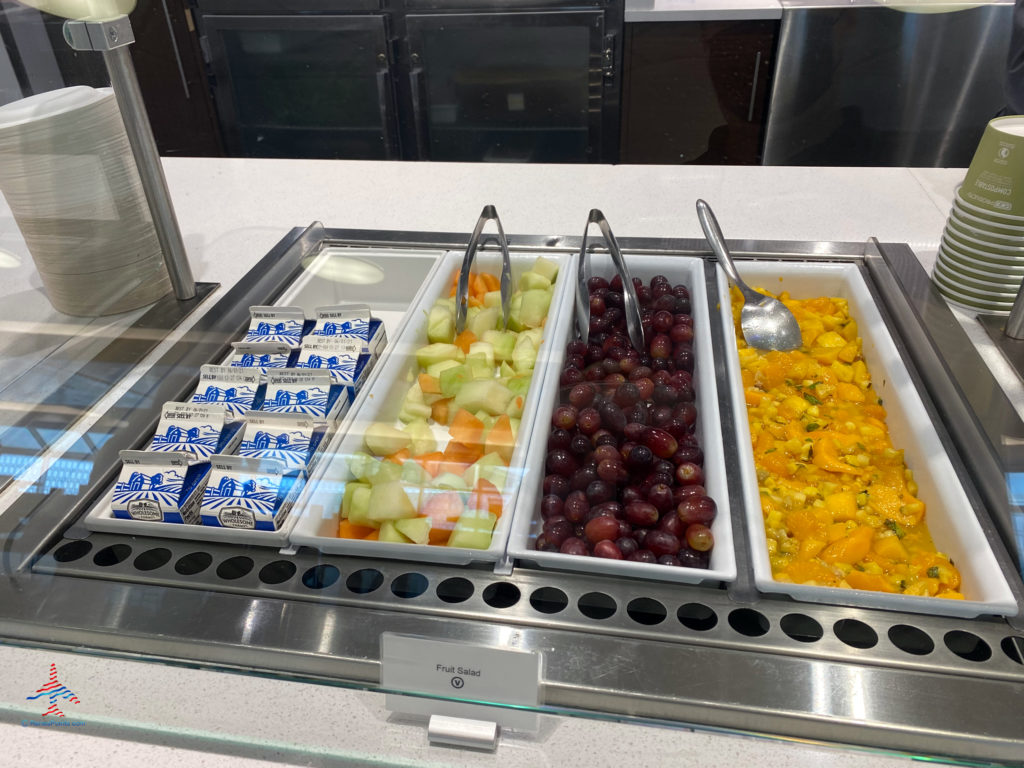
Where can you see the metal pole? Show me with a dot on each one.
(112, 39)
(1015, 322)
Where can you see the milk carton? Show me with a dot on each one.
(261, 357)
(292, 439)
(305, 392)
(279, 325)
(353, 327)
(237, 389)
(248, 493)
(346, 367)
(162, 487)
(198, 428)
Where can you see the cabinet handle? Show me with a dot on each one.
(174, 45)
(415, 75)
(753, 88)
(384, 100)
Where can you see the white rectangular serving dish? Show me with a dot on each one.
(319, 506)
(950, 517)
(528, 522)
(331, 276)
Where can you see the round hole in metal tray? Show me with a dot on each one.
(277, 572)
(646, 611)
(801, 628)
(72, 550)
(855, 633)
(235, 567)
(911, 639)
(549, 600)
(749, 622)
(1013, 647)
(193, 563)
(501, 594)
(696, 616)
(409, 585)
(455, 590)
(364, 581)
(320, 576)
(112, 555)
(152, 559)
(967, 646)
(597, 605)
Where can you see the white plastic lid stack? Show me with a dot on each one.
(69, 177)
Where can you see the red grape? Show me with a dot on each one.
(697, 509)
(601, 528)
(574, 546)
(699, 537)
(641, 513)
(661, 543)
(564, 417)
(582, 395)
(689, 473)
(661, 443)
(607, 549)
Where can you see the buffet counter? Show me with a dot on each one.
(232, 212)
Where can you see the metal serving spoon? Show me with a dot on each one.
(766, 322)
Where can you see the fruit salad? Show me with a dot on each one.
(625, 478)
(840, 505)
(440, 474)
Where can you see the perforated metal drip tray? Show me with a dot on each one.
(705, 655)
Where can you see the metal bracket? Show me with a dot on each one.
(463, 732)
(99, 35)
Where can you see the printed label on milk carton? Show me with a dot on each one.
(276, 324)
(196, 427)
(289, 438)
(254, 494)
(322, 353)
(235, 388)
(159, 487)
(352, 326)
(305, 392)
(260, 357)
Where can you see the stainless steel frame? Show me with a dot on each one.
(670, 654)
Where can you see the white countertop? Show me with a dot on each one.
(233, 211)
(701, 10)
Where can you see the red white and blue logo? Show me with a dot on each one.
(55, 691)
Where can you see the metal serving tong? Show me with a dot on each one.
(631, 304)
(462, 292)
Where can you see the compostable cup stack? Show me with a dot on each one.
(980, 263)
(69, 177)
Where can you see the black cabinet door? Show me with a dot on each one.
(697, 92)
(303, 85)
(509, 87)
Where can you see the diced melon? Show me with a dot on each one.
(525, 355)
(422, 437)
(492, 299)
(503, 342)
(350, 491)
(416, 529)
(362, 466)
(482, 348)
(545, 267)
(383, 439)
(393, 501)
(506, 371)
(533, 280)
(483, 395)
(485, 320)
(414, 474)
(534, 308)
(435, 353)
(452, 380)
(359, 509)
(484, 467)
(387, 472)
(440, 324)
(450, 481)
(436, 369)
(473, 530)
(389, 532)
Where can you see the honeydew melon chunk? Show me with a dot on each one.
(531, 280)
(506, 371)
(383, 439)
(362, 466)
(515, 312)
(440, 324)
(503, 342)
(535, 335)
(350, 491)
(413, 412)
(486, 320)
(534, 308)
(435, 353)
(482, 348)
(473, 530)
(546, 268)
(452, 380)
(479, 367)
(488, 395)
(393, 501)
(524, 358)
(515, 406)
(422, 437)
(390, 533)
(484, 467)
(359, 509)
(414, 474)
(387, 472)
(519, 384)
(416, 529)
(450, 482)
(436, 369)
(492, 299)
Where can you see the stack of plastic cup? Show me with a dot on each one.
(69, 177)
